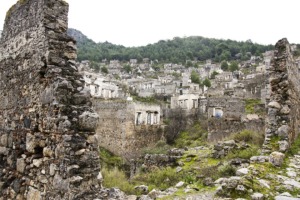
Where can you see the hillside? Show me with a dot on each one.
(177, 50)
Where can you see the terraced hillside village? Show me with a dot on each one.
(188, 118)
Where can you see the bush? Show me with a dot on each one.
(162, 178)
(244, 153)
(177, 123)
(109, 159)
(249, 137)
(117, 178)
(161, 147)
(295, 147)
(192, 137)
(250, 104)
(226, 170)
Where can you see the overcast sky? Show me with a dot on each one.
(140, 22)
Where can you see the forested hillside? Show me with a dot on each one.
(177, 50)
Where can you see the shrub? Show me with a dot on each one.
(295, 147)
(243, 153)
(249, 137)
(109, 159)
(162, 178)
(161, 147)
(250, 104)
(117, 178)
(226, 170)
(192, 137)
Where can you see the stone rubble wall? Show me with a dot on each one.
(283, 119)
(220, 129)
(47, 143)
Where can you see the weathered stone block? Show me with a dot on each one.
(283, 131)
(33, 194)
(88, 121)
(21, 165)
(277, 158)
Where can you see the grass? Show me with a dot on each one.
(161, 147)
(250, 104)
(161, 178)
(295, 147)
(249, 137)
(109, 159)
(243, 153)
(116, 178)
(226, 170)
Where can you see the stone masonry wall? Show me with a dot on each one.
(220, 129)
(283, 120)
(117, 131)
(47, 145)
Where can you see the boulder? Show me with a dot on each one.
(274, 104)
(283, 146)
(283, 131)
(179, 184)
(242, 171)
(142, 188)
(276, 158)
(257, 196)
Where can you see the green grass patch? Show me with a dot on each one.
(249, 137)
(250, 104)
(116, 178)
(226, 170)
(295, 147)
(109, 159)
(161, 178)
(274, 143)
(243, 153)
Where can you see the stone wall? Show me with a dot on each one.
(220, 129)
(283, 119)
(232, 108)
(47, 145)
(118, 132)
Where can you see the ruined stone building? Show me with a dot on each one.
(127, 127)
(47, 128)
(99, 86)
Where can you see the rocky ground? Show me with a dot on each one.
(261, 177)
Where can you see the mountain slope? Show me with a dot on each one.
(177, 50)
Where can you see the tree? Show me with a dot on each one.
(104, 70)
(177, 123)
(189, 64)
(224, 66)
(213, 75)
(127, 68)
(207, 82)
(195, 77)
(233, 66)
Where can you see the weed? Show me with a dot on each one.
(295, 147)
(243, 153)
(250, 104)
(162, 178)
(117, 178)
(109, 159)
(161, 147)
(226, 170)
